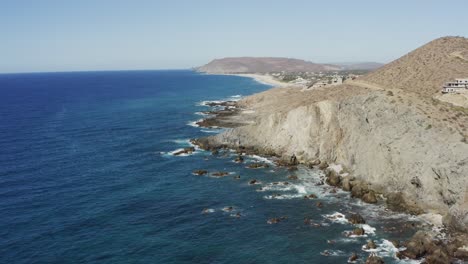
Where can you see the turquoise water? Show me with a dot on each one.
(87, 176)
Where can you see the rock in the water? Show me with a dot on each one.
(257, 165)
(346, 184)
(220, 173)
(323, 165)
(188, 150)
(239, 159)
(358, 231)
(293, 177)
(371, 244)
(319, 204)
(276, 220)
(439, 256)
(237, 177)
(310, 196)
(420, 244)
(200, 172)
(374, 259)
(353, 257)
(356, 219)
(254, 181)
(370, 197)
(333, 178)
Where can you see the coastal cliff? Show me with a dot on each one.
(402, 143)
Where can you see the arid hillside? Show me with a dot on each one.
(263, 65)
(425, 69)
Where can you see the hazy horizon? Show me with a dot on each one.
(54, 36)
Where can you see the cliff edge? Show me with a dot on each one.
(385, 129)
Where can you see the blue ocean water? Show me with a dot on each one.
(87, 176)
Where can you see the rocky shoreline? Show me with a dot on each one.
(425, 244)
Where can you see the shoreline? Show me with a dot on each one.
(360, 189)
(260, 78)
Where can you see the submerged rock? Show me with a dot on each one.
(374, 259)
(239, 159)
(188, 150)
(370, 197)
(220, 174)
(276, 220)
(333, 178)
(310, 196)
(356, 219)
(323, 165)
(353, 257)
(293, 177)
(199, 172)
(358, 231)
(371, 244)
(257, 165)
(254, 181)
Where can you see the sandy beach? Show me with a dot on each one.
(263, 78)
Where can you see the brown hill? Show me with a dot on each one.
(425, 69)
(263, 65)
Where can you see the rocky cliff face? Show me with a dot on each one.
(397, 140)
(388, 143)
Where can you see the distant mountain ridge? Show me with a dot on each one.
(273, 64)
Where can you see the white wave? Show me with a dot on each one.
(283, 196)
(194, 123)
(259, 158)
(211, 131)
(277, 187)
(204, 114)
(182, 141)
(368, 229)
(333, 253)
(208, 210)
(337, 217)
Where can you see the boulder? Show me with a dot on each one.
(356, 219)
(323, 165)
(369, 197)
(418, 246)
(200, 172)
(254, 181)
(188, 150)
(358, 231)
(333, 178)
(346, 184)
(319, 204)
(220, 174)
(371, 244)
(239, 159)
(374, 259)
(439, 256)
(257, 165)
(397, 202)
(353, 257)
(358, 189)
(310, 196)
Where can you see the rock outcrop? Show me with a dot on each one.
(396, 142)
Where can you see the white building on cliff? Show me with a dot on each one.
(458, 86)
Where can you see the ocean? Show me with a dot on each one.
(87, 175)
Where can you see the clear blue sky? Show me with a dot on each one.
(110, 35)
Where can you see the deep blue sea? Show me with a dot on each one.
(87, 176)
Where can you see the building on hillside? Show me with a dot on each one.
(457, 86)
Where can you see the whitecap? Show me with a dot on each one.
(337, 217)
(283, 196)
(194, 123)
